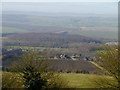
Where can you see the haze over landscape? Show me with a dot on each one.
(70, 35)
(100, 16)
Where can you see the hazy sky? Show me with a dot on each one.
(59, 0)
(64, 7)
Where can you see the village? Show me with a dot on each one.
(20, 51)
(75, 57)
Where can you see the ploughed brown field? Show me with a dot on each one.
(78, 66)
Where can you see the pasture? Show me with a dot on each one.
(12, 30)
(83, 80)
(73, 80)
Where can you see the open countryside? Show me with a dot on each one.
(59, 45)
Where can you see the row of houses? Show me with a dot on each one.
(19, 51)
(75, 57)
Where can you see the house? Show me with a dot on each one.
(80, 58)
(111, 43)
(92, 58)
(64, 56)
(55, 57)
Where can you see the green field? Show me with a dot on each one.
(74, 80)
(12, 30)
(82, 80)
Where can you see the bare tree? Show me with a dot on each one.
(109, 61)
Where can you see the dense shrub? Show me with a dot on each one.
(31, 68)
(11, 80)
(54, 80)
(68, 71)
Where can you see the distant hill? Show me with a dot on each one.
(46, 39)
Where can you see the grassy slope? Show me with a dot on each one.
(74, 80)
(80, 80)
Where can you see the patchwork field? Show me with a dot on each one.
(108, 33)
(97, 27)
